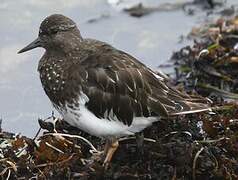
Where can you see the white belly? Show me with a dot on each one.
(85, 120)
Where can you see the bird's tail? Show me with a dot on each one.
(190, 104)
(178, 103)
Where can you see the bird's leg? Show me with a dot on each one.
(110, 148)
(106, 147)
(140, 143)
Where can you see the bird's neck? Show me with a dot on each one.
(64, 49)
(70, 43)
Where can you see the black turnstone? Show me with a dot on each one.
(100, 89)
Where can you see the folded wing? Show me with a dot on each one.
(120, 87)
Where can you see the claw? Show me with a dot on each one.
(110, 148)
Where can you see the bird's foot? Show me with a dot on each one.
(104, 157)
(110, 148)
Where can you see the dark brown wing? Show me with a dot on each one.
(119, 86)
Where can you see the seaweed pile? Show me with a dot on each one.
(196, 146)
(210, 65)
(190, 147)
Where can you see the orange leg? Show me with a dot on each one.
(110, 148)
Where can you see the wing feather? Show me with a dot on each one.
(117, 83)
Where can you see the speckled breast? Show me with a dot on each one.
(53, 79)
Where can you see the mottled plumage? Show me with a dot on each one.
(100, 89)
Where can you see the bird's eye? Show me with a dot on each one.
(54, 31)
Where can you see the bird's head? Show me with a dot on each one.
(56, 31)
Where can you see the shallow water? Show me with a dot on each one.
(152, 39)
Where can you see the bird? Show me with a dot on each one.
(102, 90)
